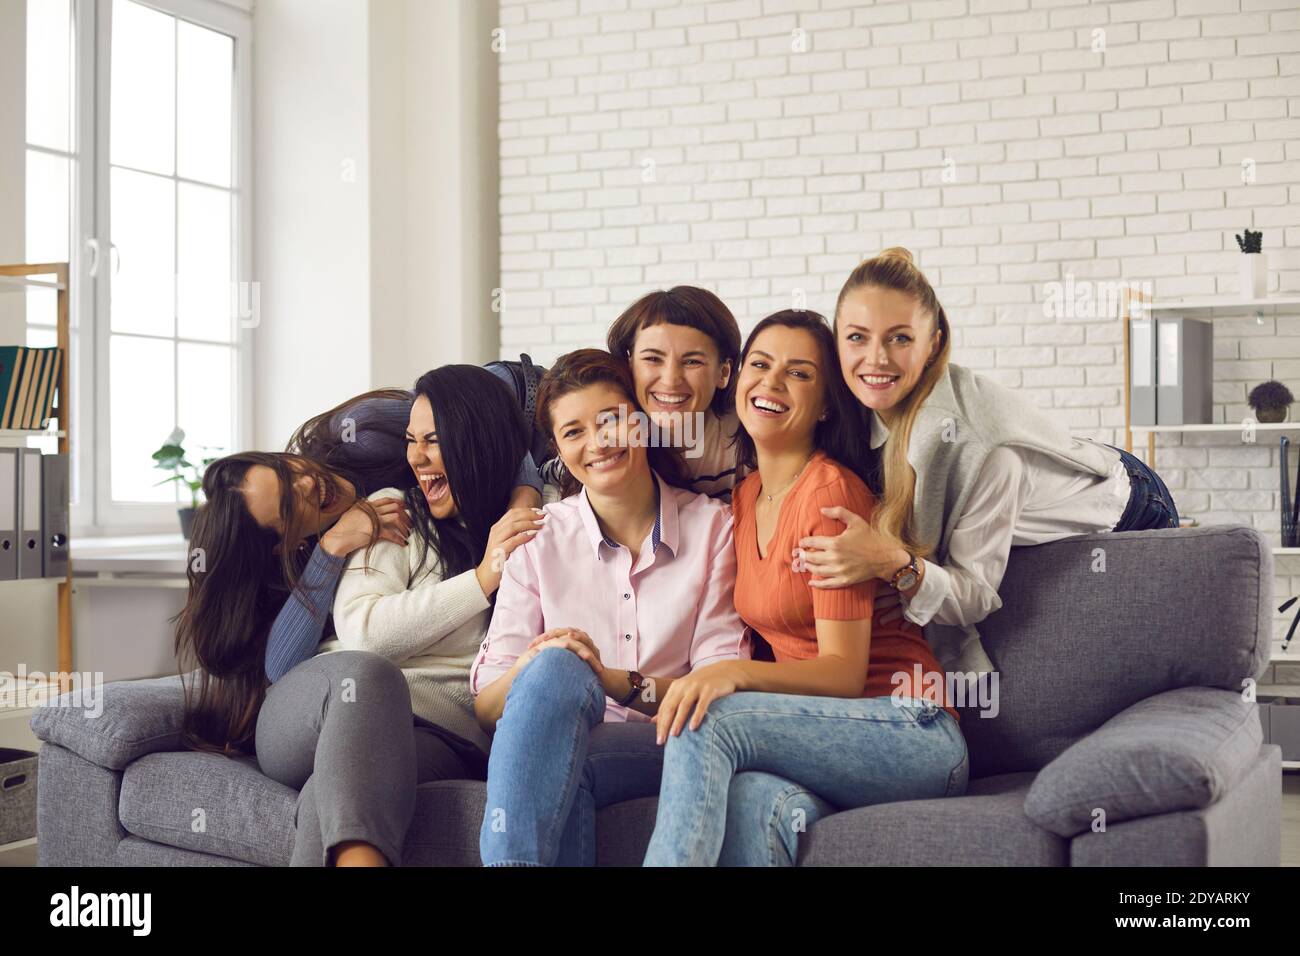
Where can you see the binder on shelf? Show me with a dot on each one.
(8, 513)
(29, 513)
(1142, 375)
(54, 515)
(29, 380)
(1184, 371)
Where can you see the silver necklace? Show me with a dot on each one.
(789, 484)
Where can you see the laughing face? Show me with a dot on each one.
(424, 455)
(885, 339)
(676, 369)
(317, 502)
(780, 393)
(596, 438)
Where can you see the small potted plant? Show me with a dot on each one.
(171, 457)
(1254, 266)
(1271, 401)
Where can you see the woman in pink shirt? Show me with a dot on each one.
(627, 587)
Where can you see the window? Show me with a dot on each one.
(150, 203)
(51, 162)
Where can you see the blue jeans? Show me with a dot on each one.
(762, 768)
(554, 763)
(1150, 505)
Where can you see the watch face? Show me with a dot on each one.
(906, 580)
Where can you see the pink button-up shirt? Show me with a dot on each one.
(662, 612)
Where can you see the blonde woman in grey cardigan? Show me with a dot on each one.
(968, 469)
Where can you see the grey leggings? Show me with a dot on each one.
(339, 729)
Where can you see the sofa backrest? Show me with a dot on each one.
(1093, 624)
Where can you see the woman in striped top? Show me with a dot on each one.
(849, 712)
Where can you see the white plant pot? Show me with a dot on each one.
(1253, 268)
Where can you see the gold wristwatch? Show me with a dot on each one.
(905, 578)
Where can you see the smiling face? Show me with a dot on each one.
(424, 455)
(316, 502)
(676, 369)
(780, 391)
(595, 438)
(885, 339)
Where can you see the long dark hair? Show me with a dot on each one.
(483, 437)
(330, 440)
(845, 435)
(237, 581)
(237, 585)
(582, 369)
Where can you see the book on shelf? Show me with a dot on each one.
(29, 380)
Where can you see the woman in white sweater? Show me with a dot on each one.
(342, 727)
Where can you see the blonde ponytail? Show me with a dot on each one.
(894, 268)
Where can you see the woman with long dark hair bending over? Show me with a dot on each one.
(274, 537)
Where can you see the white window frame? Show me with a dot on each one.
(99, 514)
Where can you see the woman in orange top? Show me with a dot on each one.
(849, 713)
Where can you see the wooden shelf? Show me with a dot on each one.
(22, 284)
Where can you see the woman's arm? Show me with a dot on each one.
(964, 590)
(719, 631)
(375, 611)
(297, 629)
(516, 620)
(528, 483)
(838, 670)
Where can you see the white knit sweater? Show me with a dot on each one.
(432, 630)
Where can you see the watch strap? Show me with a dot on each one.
(637, 682)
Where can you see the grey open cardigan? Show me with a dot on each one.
(964, 418)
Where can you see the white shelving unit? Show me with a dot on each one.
(1203, 309)
(1277, 427)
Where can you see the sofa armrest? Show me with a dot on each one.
(1178, 750)
(123, 721)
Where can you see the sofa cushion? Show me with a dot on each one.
(448, 815)
(211, 804)
(1180, 750)
(444, 829)
(1242, 829)
(138, 717)
(1093, 624)
(986, 827)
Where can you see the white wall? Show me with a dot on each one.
(375, 198)
(311, 210)
(434, 189)
(777, 170)
(13, 164)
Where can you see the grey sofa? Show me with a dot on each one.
(1123, 737)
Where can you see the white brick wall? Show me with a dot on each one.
(646, 143)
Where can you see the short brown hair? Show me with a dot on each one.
(584, 368)
(685, 305)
